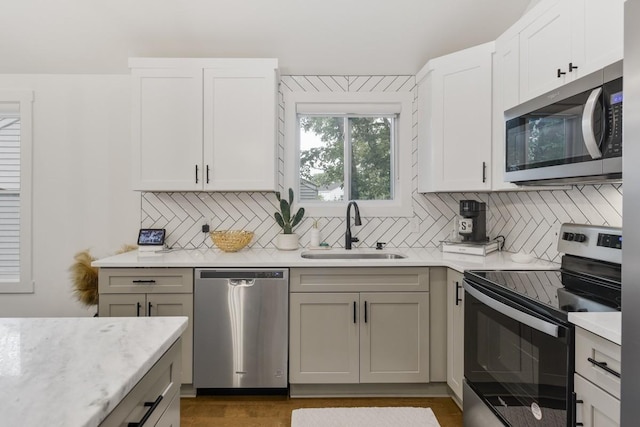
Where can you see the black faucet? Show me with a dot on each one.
(347, 237)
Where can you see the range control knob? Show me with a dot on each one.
(580, 237)
(568, 236)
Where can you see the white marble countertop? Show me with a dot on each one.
(608, 325)
(423, 257)
(74, 371)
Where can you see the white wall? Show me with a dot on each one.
(81, 183)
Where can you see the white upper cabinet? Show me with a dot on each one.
(454, 121)
(567, 40)
(167, 129)
(204, 124)
(239, 128)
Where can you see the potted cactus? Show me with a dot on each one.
(287, 240)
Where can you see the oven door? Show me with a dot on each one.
(519, 363)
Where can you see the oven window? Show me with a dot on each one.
(520, 371)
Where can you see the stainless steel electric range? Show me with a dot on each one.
(519, 345)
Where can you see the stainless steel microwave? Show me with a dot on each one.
(569, 135)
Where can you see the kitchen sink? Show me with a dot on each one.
(351, 255)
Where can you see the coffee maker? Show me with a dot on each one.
(472, 227)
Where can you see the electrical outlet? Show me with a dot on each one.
(205, 228)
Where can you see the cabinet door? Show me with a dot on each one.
(394, 337)
(545, 47)
(323, 346)
(455, 332)
(598, 408)
(239, 129)
(456, 128)
(122, 305)
(177, 305)
(599, 34)
(167, 129)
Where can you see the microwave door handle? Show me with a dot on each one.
(587, 124)
(515, 314)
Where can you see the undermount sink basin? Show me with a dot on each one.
(351, 255)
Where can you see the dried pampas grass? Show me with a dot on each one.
(85, 278)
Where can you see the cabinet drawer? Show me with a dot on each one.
(602, 351)
(339, 279)
(153, 394)
(145, 280)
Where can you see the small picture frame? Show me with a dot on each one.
(151, 237)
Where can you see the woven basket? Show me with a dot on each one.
(231, 240)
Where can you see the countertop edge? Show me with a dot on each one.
(607, 325)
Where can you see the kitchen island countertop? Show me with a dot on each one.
(75, 371)
(415, 257)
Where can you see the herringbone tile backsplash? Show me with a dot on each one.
(527, 219)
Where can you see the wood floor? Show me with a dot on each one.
(275, 411)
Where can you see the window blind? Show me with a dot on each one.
(9, 199)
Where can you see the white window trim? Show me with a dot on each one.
(401, 102)
(25, 99)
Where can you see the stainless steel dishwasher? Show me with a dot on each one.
(241, 328)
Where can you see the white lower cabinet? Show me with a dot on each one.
(455, 332)
(134, 292)
(358, 337)
(597, 380)
(155, 400)
(596, 408)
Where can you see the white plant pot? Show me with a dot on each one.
(287, 242)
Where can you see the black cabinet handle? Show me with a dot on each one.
(196, 174)
(561, 73)
(484, 171)
(458, 299)
(144, 281)
(149, 311)
(355, 320)
(365, 312)
(603, 366)
(152, 407)
(207, 174)
(574, 409)
(138, 305)
(572, 67)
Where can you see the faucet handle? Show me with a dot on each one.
(380, 245)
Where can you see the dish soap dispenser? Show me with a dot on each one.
(315, 235)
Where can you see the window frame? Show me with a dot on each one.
(384, 103)
(24, 98)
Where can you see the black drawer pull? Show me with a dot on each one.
(152, 407)
(458, 299)
(603, 365)
(144, 281)
(138, 305)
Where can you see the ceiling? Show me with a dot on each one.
(307, 36)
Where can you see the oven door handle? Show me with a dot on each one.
(515, 314)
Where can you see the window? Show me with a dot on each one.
(15, 191)
(364, 144)
(347, 146)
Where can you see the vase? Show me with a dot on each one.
(287, 242)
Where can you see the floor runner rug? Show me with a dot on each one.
(363, 417)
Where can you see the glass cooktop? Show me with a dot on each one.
(556, 289)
